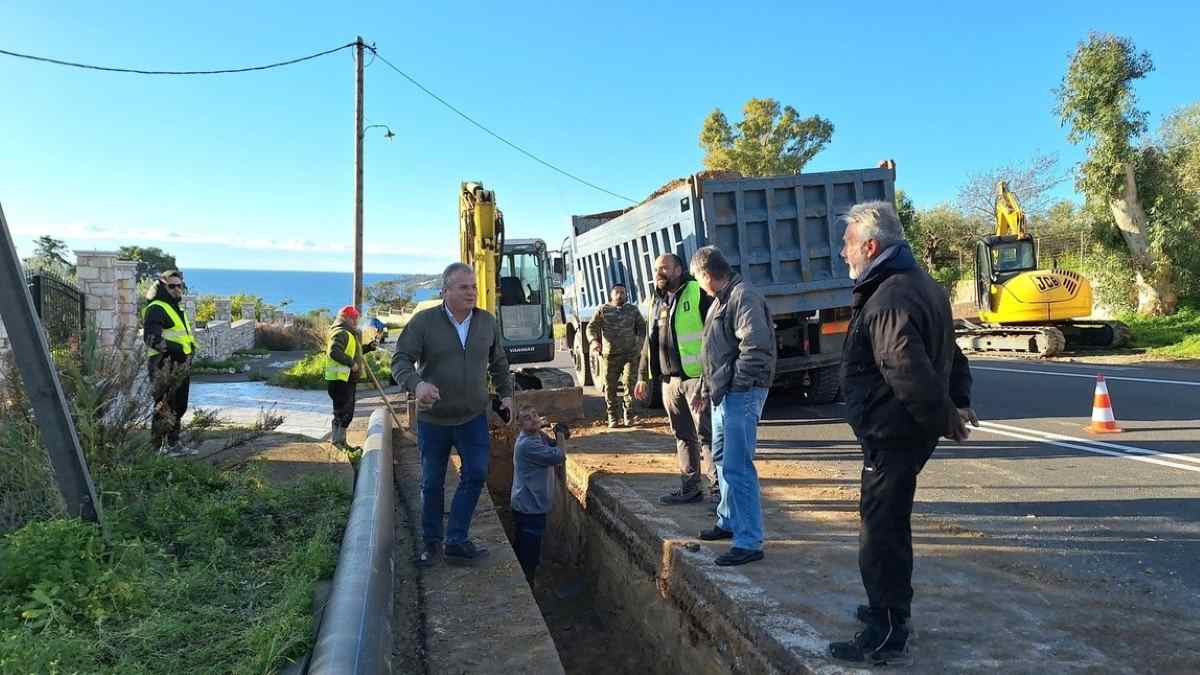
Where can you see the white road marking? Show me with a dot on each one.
(1127, 451)
(1090, 377)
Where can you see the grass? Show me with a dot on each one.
(309, 372)
(257, 351)
(203, 572)
(1175, 336)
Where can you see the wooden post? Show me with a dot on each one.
(358, 174)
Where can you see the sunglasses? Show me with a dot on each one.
(174, 285)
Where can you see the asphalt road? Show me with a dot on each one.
(1121, 510)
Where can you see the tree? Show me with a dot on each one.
(152, 261)
(941, 236)
(1181, 142)
(1031, 181)
(768, 141)
(1096, 101)
(50, 255)
(392, 295)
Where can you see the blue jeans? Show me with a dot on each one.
(472, 442)
(529, 529)
(734, 438)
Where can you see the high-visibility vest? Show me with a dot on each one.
(180, 332)
(689, 329)
(333, 369)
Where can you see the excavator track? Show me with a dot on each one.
(1086, 335)
(1032, 341)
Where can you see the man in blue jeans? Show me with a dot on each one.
(739, 357)
(444, 357)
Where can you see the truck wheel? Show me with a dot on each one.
(823, 384)
(583, 363)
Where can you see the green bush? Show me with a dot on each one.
(1176, 336)
(309, 372)
(297, 336)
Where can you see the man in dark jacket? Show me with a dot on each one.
(739, 366)
(906, 385)
(344, 366)
(672, 356)
(170, 348)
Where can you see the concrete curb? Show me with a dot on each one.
(356, 630)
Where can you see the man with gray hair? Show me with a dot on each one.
(906, 385)
(738, 356)
(444, 357)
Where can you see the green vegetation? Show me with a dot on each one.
(203, 572)
(1175, 336)
(309, 372)
(299, 335)
(151, 261)
(769, 140)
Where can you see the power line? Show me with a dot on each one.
(137, 71)
(497, 136)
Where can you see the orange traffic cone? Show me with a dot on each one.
(1103, 421)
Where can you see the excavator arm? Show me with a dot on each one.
(481, 240)
(1010, 217)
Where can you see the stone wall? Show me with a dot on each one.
(110, 289)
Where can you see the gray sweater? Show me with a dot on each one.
(429, 350)
(534, 459)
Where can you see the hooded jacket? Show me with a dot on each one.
(155, 321)
(903, 376)
(337, 349)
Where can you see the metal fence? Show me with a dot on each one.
(59, 304)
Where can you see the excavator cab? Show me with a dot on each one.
(999, 259)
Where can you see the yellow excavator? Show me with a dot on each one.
(1024, 309)
(516, 281)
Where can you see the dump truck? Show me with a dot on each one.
(783, 234)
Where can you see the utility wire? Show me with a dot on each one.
(176, 72)
(497, 136)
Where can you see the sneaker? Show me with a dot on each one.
(884, 642)
(738, 556)
(465, 553)
(627, 420)
(179, 450)
(612, 423)
(715, 534)
(679, 497)
(428, 556)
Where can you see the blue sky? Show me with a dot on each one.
(256, 171)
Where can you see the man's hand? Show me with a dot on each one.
(597, 346)
(507, 404)
(958, 425)
(698, 402)
(641, 391)
(427, 393)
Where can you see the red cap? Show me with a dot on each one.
(348, 310)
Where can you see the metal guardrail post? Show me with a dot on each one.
(355, 637)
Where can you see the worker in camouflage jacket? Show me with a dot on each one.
(617, 333)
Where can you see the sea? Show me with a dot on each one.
(305, 291)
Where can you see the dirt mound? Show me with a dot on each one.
(713, 174)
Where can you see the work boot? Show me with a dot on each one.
(680, 497)
(884, 641)
(338, 438)
(715, 533)
(738, 556)
(428, 555)
(863, 614)
(177, 449)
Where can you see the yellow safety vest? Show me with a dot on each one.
(180, 332)
(689, 329)
(333, 369)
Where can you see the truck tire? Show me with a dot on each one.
(583, 363)
(823, 385)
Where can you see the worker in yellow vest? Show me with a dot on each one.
(343, 367)
(676, 313)
(170, 347)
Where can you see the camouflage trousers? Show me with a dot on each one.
(620, 374)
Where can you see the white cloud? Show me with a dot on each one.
(102, 232)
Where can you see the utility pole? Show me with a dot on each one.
(42, 387)
(358, 174)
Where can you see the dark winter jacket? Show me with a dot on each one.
(903, 376)
(662, 345)
(739, 341)
(155, 321)
(337, 348)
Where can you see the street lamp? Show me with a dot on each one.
(358, 194)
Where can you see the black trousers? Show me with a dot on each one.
(342, 394)
(885, 557)
(529, 528)
(170, 386)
